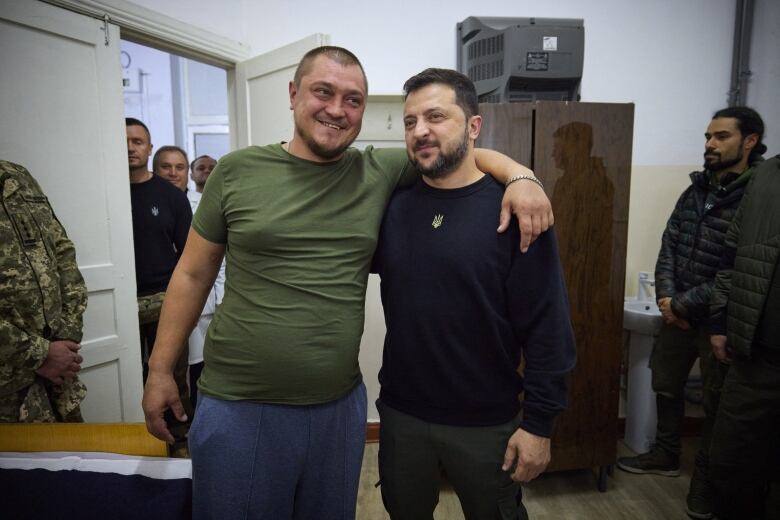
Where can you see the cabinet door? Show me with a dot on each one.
(508, 128)
(582, 153)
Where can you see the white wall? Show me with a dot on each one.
(225, 18)
(154, 104)
(649, 53)
(765, 65)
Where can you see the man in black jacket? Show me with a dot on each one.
(745, 324)
(691, 248)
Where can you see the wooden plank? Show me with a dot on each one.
(123, 438)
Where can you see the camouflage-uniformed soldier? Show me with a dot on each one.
(42, 300)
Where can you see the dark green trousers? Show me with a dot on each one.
(413, 453)
(745, 450)
(674, 353)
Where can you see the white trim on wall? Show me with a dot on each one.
(148, 27)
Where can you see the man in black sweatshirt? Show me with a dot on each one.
(161, 221)
(463, 310)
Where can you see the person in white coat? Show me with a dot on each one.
(200, 169)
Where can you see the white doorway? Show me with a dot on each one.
(184, 102)
(63, 114)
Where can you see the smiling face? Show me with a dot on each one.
(328, 107)
(436, 131)
(172, 166)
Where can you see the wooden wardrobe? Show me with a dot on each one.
(582, 154)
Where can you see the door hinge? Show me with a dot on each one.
(105, 29)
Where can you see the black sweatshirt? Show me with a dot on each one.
(161, 221)
(462, 305)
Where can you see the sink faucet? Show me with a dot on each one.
(646, 286)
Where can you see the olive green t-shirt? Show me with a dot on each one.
(300, 237)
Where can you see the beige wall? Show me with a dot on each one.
(654, 191)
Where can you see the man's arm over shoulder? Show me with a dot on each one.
(524, 198)
(539, 308)
(524, 195)
(394, 163)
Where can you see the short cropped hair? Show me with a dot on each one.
(162, 150)
(198, 158)
(131, 121)
(748, 122)
(465, 92)
(338, 54)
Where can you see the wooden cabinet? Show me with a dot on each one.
(582, 154)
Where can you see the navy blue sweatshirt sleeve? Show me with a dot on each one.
(539, 309)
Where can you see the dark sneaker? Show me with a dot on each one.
(656, 461)
(699, 500)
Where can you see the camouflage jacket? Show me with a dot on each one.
(42, 298)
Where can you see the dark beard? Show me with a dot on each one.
(445, 163)
(719, 166)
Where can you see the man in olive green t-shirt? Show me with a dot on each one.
(281, 426)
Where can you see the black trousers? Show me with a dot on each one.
(413, 454)
(745, 449)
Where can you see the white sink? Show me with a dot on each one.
(643, 320)
(641, 316)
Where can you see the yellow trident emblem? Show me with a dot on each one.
(437, 220)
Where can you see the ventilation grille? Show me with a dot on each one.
(486, 47)
(483, 71)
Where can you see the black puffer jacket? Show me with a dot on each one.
(692, 243)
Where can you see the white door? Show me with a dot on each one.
(262, 101)
(62, 118)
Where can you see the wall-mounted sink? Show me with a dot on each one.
(642, 319)
(641, 316)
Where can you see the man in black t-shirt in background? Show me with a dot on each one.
(161, 221)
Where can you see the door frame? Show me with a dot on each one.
(145, 26)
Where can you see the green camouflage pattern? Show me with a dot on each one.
(149, 308)
(42, 298)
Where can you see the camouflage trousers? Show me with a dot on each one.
(44, 402)
(148, 317)
(149, 308)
